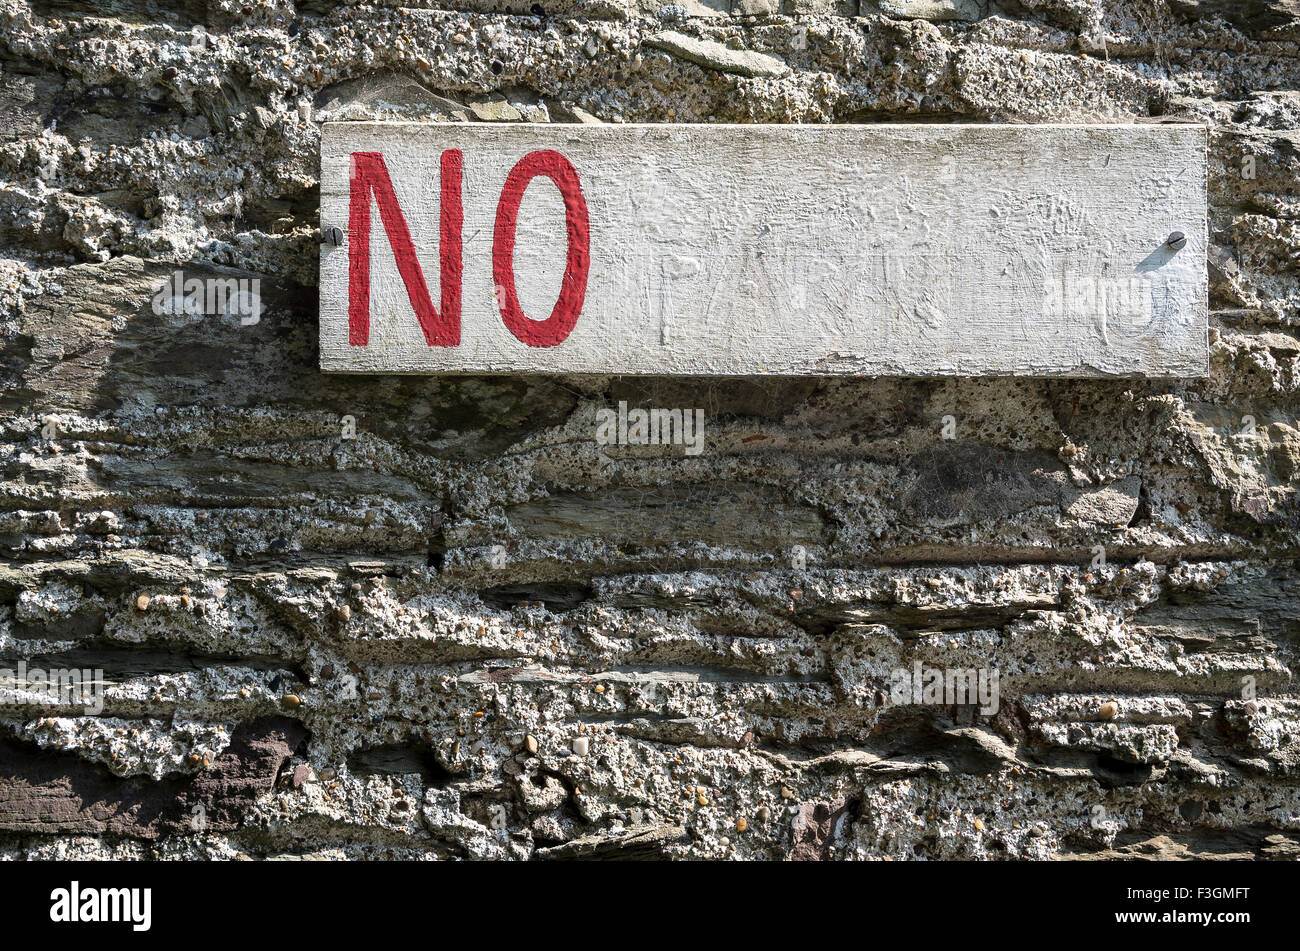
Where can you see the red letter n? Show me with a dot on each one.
(370, 174)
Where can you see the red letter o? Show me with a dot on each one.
(553, 330)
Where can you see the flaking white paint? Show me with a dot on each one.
(802, 250)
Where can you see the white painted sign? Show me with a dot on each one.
(814, 250)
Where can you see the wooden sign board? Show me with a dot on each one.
(910, 250)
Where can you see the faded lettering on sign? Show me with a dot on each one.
(890, 250)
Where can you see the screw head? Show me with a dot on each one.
(1176, 241)
(332, 236)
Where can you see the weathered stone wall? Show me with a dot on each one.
(471, 631)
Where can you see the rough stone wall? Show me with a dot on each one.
(471, 631)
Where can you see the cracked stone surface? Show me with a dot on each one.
(470, 632)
